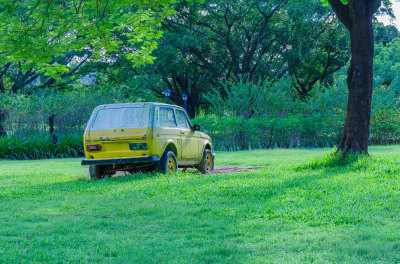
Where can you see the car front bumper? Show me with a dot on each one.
(121, 160)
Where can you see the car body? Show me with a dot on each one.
(132, 136)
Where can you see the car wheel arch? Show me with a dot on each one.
(170, 146)
(206, 145)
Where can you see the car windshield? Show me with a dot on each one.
(122, 117)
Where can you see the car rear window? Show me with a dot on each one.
(122, 117)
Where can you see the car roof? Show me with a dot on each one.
(138, 104)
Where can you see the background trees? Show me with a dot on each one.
(209, 42)
(317, 46)
(202, 43)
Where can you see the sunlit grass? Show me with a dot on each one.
(284, 213)
(266, 158)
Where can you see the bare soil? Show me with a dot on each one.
(219, 169)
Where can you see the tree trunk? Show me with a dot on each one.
(3, 115)
(357, 17)
(191, 110)
(356, 130)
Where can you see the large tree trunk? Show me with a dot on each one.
(357, 17)
(356, 130)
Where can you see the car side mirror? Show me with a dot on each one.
(196, 127)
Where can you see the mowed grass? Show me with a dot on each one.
(284, 213)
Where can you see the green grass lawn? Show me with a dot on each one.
(284, 213)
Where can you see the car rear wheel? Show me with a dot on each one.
(96, 172)
(206, 165)
(168, 163)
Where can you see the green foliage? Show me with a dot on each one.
(317, 49)
(72, 109)
(69, 145)
(27, 119)
(40, 146)
(36, 32)
(385, 126)
(387, 65)
(326, 3)
(237, 133)
(262, 40)
(267, 115)
(386, 98)
(242, 97)
(385, 33)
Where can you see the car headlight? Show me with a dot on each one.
(137, 146)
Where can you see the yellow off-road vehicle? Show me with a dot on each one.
(142, 136)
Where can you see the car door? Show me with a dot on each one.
(168, 129)
(189, 140)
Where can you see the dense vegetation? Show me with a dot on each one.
(272, 74)
(301, 212)
(252, 115)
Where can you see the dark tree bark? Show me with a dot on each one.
(3, 116)
(357, 17)
(51, 132)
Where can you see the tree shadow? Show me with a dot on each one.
(81, 183)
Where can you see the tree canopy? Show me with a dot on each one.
(215, 41)
(34, 32)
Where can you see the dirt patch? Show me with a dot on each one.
(219, 169)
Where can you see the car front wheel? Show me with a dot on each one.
(168, 163)
(206, 165)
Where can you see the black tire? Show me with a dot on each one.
(96, 172)
(206, 164)
(168, 163)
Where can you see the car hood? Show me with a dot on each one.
(205, 136)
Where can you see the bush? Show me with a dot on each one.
(385, 127)
(237, 133)
(267, 115)
(71, 110)
(278, 120)
(40, 146)
(247, 98)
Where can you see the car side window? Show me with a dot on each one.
(167, 117)
(181, 119)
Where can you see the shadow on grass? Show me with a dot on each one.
(82, 183)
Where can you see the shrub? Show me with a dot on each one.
(40, 146)
(237, 133)
(246, 98)
(71, 110)
(250, 122)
